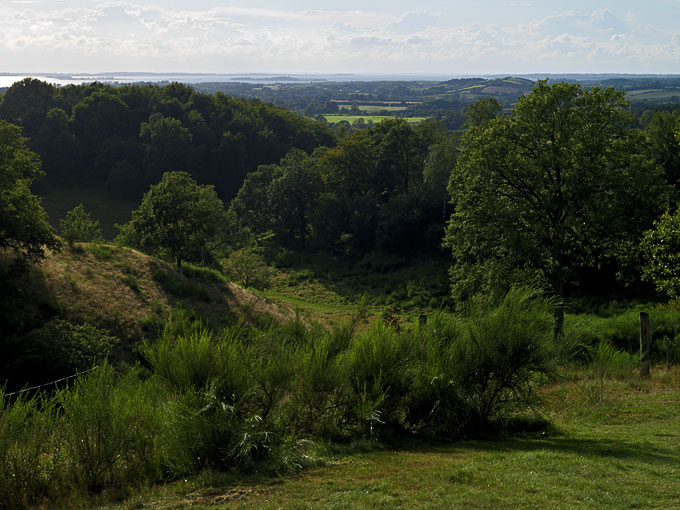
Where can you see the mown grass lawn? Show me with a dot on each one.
(615, 444)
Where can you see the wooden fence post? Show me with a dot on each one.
(644, 344)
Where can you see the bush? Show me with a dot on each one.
(109, 425)
(58, 349)
(482, 368)
(102, 251)
(28, 451)
(78, 226)
(379, 367)
(608, 361)
(204, 274)
(213, 387)
(248, 268)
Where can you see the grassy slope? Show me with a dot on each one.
(616, 446)
(120, 289)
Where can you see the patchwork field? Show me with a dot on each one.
(334, 118)
(374, 108)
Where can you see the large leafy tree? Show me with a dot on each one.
(661, 246)
(292, 197)
(663, 145)
(24, 229)
(179, 219)
(549, 189)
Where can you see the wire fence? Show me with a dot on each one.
(51, 382)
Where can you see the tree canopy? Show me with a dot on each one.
(661, 246)
(555, 186)
(179, 219)
(125, 137)
(24, 229)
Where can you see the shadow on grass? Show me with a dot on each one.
(382, 278)
(604, 448)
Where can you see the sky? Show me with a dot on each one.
(332, 36)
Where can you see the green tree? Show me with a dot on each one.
(661, 248)
(553, 187)
(251, 205)
(663, 144)
(57, 146)
(78, 226)
(439, 163)
(26, 103)
(292, 197)
(169, 145)
(248, 268)
(180, 219)
(24, 229)
(481, 112)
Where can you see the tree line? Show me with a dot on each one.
(564, 183)
(125, 138)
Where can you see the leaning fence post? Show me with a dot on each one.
(644, 344)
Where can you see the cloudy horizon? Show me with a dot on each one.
(261, 36)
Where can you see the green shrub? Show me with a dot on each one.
(109, 425)
(506, 345)
(78, 226)
(102, 251)
(248, 268)
(607, 361)
(212, 380)
(479, 369)
(29, 453)
(379, 366)
(59, 348)
(204, 274)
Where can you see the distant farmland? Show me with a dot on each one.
(373, 108)
(334, 118)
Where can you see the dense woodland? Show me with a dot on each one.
(125, 138)
(562, 194)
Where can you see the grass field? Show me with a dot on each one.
(334, 119)
(636, 95)
(614, 445)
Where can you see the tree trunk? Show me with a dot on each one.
(558, 328)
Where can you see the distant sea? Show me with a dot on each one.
(7, 79)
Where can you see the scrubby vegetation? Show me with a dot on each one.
(248, 396)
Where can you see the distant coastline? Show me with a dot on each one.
(120, 78)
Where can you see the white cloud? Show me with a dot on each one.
(130, 36)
